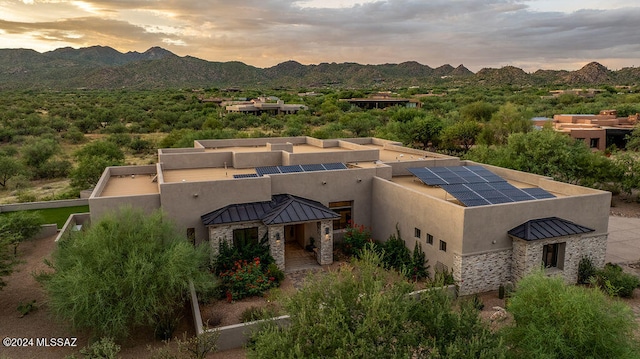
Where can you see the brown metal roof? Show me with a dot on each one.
(283, 208)
(550, 227)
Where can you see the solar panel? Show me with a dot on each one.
(538, 193)
(246, 175)
(268, 170)
(335, 166)
(475, 202)
(290, 169)
(476, 185)
(312, 167)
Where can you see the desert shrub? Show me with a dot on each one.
(443, 277)
(105, 348)
(229, 254)
(395, 254)
(245, 279)
(555, 320)
(418, 268)
(258, 313)
(586, 270)
(363, 311)
(128, 270)
(355, 238)
(275, 272)
(618, 282)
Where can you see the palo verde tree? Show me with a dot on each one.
(92, 159)
(555, 320)
(17, 227)
(364, 311)
(128, 270)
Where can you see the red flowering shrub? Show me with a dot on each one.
(355, 238)
(246, 279)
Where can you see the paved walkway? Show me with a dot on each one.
(624, 240)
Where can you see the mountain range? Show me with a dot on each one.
(101, 67)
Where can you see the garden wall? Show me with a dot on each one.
(43, 205)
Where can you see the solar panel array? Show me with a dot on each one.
(476, 186)
(271, 170)
(245, 175)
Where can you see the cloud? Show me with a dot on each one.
(487, 33)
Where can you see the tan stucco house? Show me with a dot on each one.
(488, 225)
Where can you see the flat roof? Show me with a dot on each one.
(388, 155)
(203, 174)
(297, 148)
(128, 185)
(414, 183)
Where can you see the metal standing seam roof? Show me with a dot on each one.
(283, 208)
(550, 227)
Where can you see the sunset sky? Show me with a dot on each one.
(546, 34)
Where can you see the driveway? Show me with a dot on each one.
(624, 240)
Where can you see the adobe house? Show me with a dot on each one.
(288, 190)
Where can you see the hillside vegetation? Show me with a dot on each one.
(100, 67)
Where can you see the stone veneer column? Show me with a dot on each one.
(325, 243)
(276, 246)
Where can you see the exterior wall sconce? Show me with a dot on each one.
(324, 183)
(326, 234)
(195, 195)
(277, 237)
(359, 180)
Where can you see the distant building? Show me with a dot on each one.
(382, 100)
(269, 105)
(598, 131)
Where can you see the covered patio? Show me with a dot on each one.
(287, 222)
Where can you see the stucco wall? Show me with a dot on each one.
(185, 202)
(99, 206)
(257, 159)
(394, 204)
(174, 161)
(340, 185)
(329, 157)
(486, 227)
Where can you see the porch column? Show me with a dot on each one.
(325, 242)
(276, 244)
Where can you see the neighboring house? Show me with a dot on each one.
(488, 225)
(597, 131)
(382, 100)
(272, 106)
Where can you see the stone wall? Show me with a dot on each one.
(482, 272)
(527, 255)
(218, 234)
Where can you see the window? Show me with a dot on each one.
(343, 208)
(245, 236)
(553, 255)
(417, 232)
(429, 238)
(443, 246)
(594, 142)
(191, 235)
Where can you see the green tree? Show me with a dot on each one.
(552, 154)
(633, 139)
(364, 311)
(38, 152)
(425, 130)
(17, 227)
(9, 168)
(507, 120)
(128, 270)
(7, 260)
(462, 134)
(555, 320)
(478, 111)
(92, 160)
